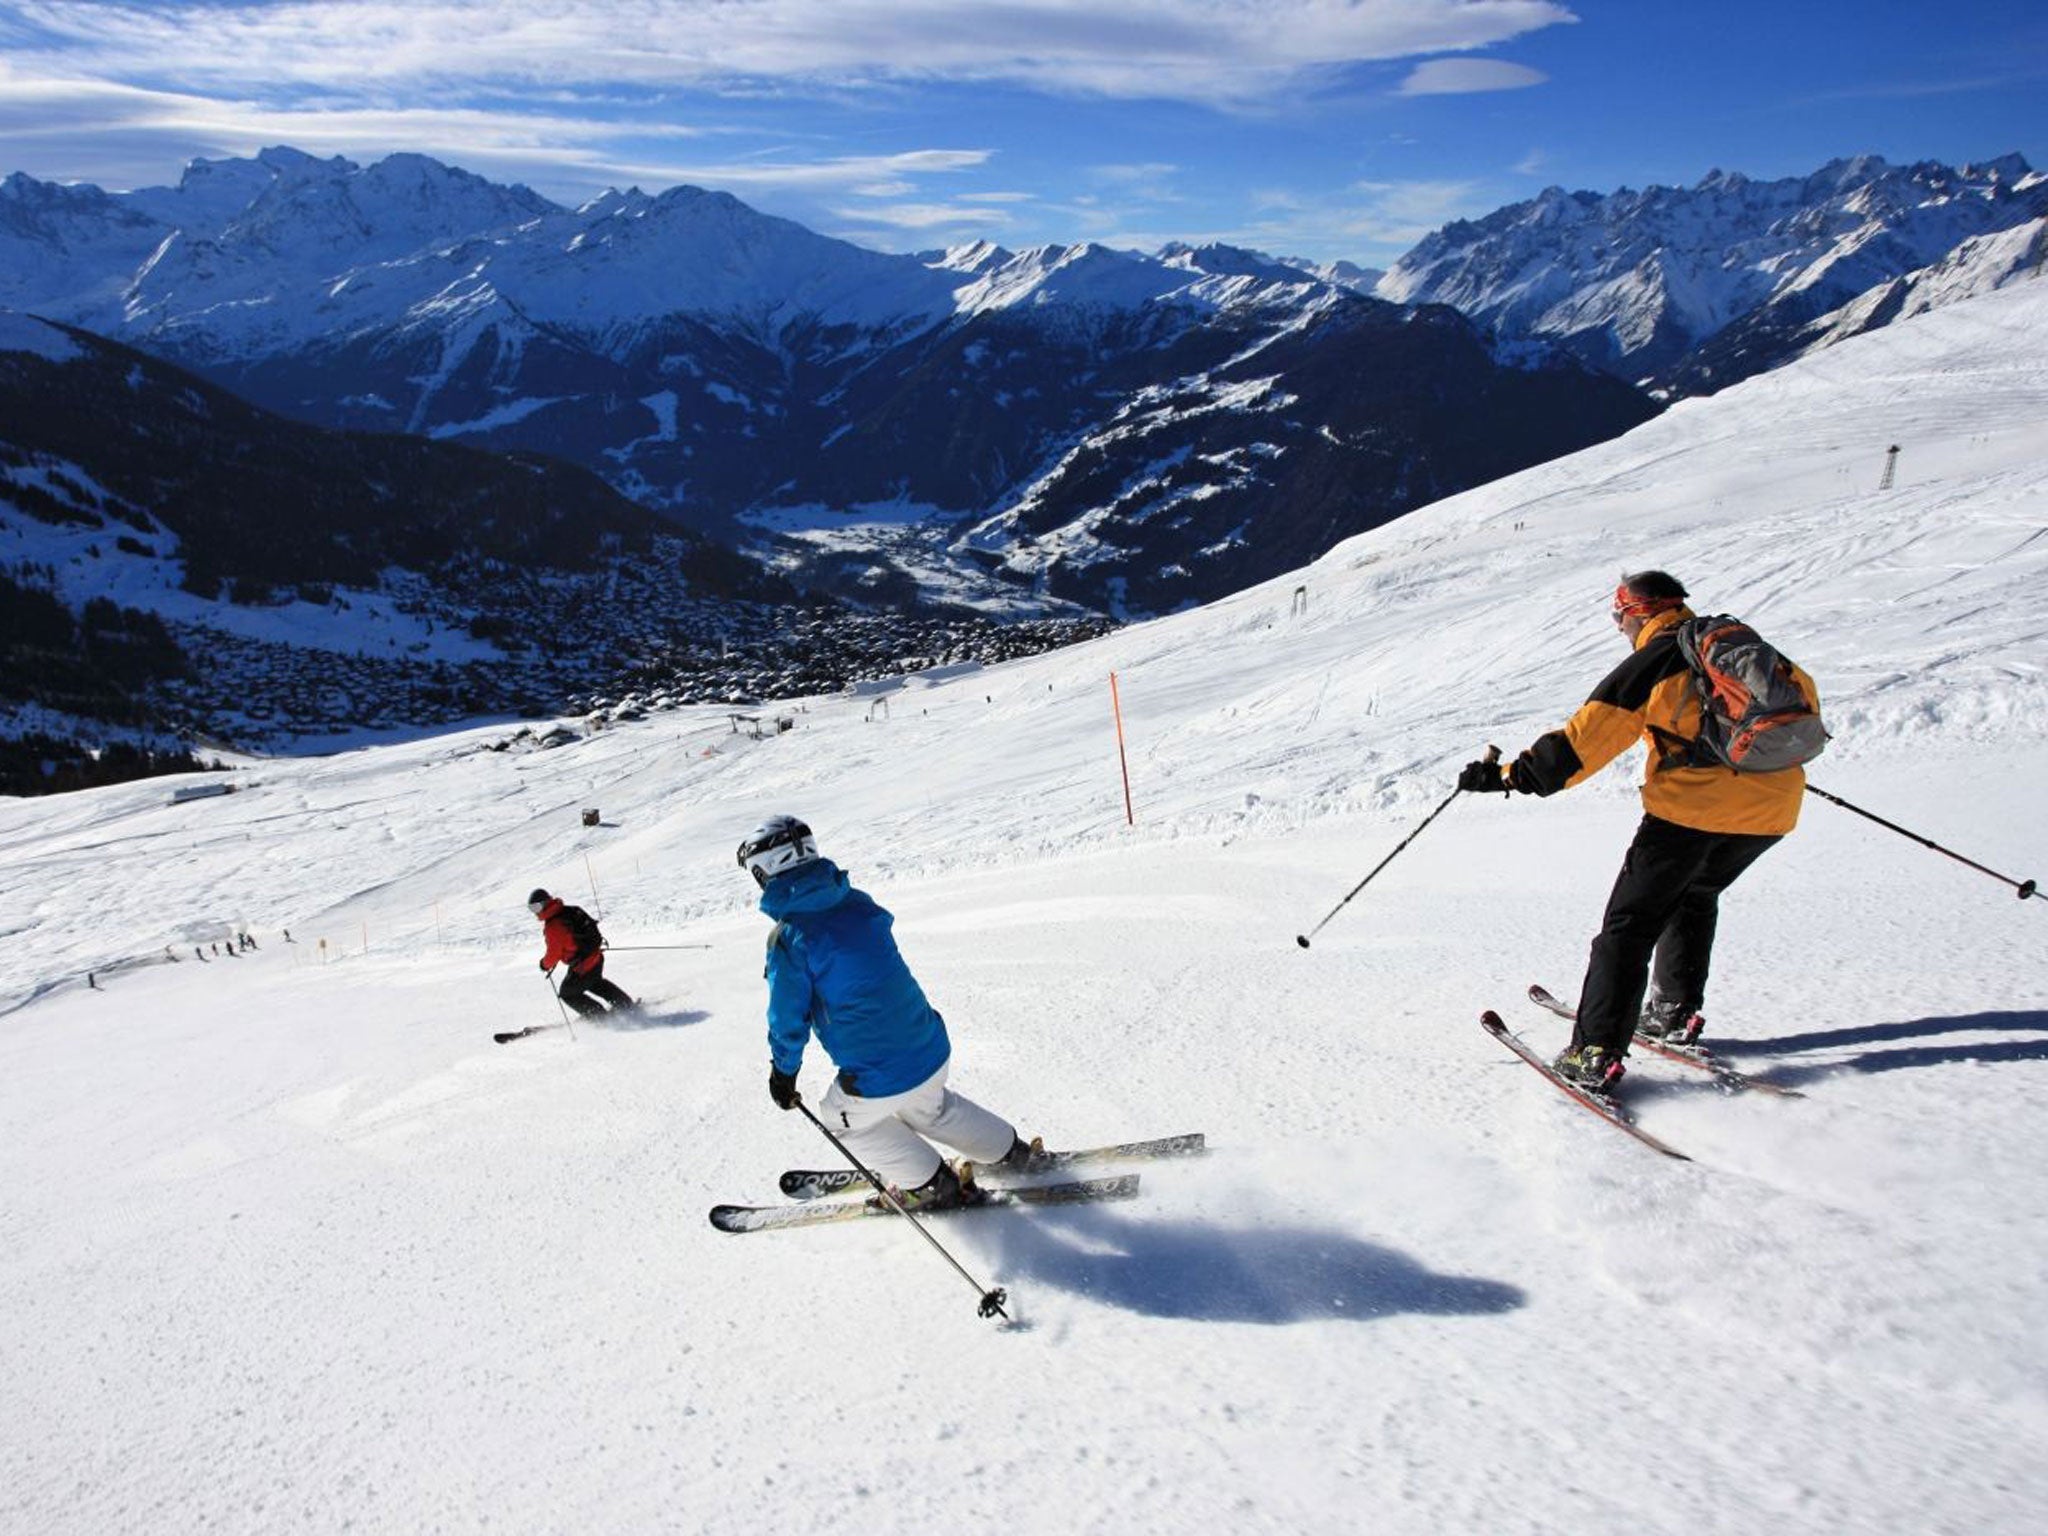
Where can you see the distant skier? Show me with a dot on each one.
(834, 969)
(1704, 824)
(572, 935)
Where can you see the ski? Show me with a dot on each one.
(1600, 1104)
(1696, 1056)
(812, 1183)
(765, 1218)
(506, 1037)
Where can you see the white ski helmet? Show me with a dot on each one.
(779, 844)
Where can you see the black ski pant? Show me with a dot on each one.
(577, 988)
(1665, 902)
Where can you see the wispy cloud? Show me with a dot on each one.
(977, 217)
(1913, 90)
(828, 174)
(1370, 221)
(756, 96)
(1217, 50)
(1461, 77)
(1152, 182)
(44, 106)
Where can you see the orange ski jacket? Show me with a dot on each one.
(1652, 697)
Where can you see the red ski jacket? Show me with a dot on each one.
(561, 942)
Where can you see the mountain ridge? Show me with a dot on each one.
(1640, 283)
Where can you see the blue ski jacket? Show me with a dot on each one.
(834, 970)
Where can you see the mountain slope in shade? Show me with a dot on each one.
(1257, 462)
(323, 578)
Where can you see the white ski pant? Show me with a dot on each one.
(888, 1133)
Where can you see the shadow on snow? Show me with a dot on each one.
(1904, 1056)
(625, 1023)
(1251, 1275)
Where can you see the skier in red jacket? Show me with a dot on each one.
(572, 935)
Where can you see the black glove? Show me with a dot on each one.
(1483, 778)
(782, 1089)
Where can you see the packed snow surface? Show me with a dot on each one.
(290, 1245)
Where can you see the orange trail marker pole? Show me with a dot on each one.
(1116, 709)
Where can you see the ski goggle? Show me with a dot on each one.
(1630, 605)
(536, 907)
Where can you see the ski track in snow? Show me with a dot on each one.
(289, 1244)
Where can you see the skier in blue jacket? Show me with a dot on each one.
(834, 971)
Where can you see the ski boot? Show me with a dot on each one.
(1590, 1067)
(1022, 1156)
(942, 1191)
(1670, 1025)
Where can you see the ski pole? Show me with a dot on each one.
(620, 949)
(1492, 756)
(991, 1300)
(2025, 888)
(549, 978)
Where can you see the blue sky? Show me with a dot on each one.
(1319, 128)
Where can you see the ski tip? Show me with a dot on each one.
(1493, 1021)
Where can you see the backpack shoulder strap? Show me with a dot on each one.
(1681, 751)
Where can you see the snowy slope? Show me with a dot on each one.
(290, 1245)
(1979, 265)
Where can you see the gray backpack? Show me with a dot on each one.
(1753, 717)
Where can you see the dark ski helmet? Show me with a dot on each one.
(537, 900)
(778, 845)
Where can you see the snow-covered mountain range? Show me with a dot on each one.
(769, 385)
(1689, 289)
